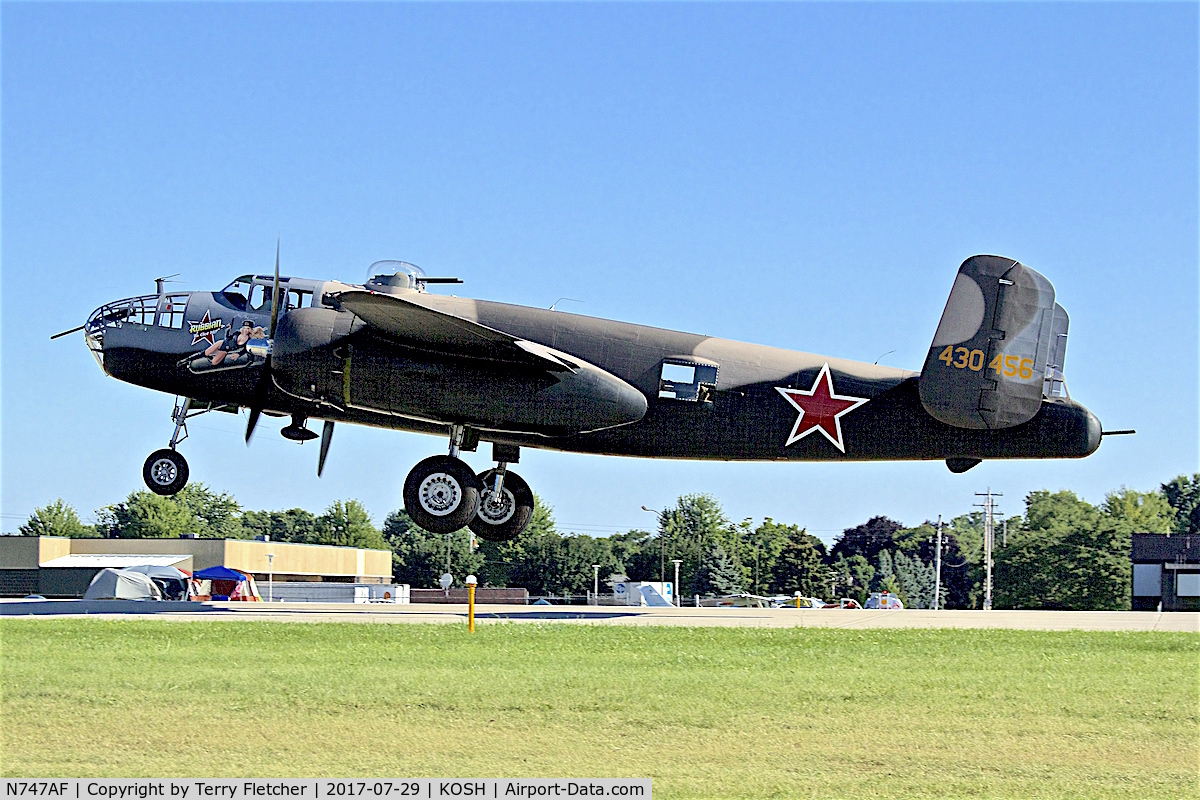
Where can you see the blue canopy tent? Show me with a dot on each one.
(219, 573)
(227, 584)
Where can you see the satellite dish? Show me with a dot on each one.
(445, 581)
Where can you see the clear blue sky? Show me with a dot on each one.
(806, 176)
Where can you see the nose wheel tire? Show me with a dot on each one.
(441, 494)
(502, 517)
(165, 472)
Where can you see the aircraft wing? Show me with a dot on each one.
(438, 330)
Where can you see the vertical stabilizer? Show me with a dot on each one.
(998, 349)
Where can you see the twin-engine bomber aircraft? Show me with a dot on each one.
(387, 353)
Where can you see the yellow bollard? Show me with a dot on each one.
(471, 581)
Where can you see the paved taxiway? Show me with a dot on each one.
(609, 615)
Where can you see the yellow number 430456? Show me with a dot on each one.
(1006, 366)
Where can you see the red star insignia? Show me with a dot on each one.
(820, 409)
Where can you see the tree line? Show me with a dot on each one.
(1061, 553)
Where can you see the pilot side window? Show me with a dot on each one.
(258, 298)
(235, 293)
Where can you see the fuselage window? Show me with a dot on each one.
(170, 313)
(693, 382)
(298, 299)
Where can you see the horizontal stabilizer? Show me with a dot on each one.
(999, 347)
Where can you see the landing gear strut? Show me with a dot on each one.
(442, 494)
(166, 471)
(506, 505)
(505, 512)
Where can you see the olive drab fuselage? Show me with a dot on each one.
(399, 357)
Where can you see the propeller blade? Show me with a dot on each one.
(255, 413)
(275, 293)
(326, 438)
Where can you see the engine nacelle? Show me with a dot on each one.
(329, 356)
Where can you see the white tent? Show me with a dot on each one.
(119, 584)
(175, 584)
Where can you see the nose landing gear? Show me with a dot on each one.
(166, 471)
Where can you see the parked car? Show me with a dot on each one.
(884, 600)
(845, 602)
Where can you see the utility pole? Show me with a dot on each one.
(596, 584)
(937, 575)
(675, 588)
(989, 540)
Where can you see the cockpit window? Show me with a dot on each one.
(258, 298)
(236, 292)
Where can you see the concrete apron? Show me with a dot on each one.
(1187, 622)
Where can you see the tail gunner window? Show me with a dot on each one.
(687, 380)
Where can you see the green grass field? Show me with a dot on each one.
(712, 712)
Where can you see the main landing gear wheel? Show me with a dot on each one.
(441, 494)
(502, 517)
(165, 472)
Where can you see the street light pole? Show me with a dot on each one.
(676, 562)
(937, 578)
(270, 577)
(596, 584)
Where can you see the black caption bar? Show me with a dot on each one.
(322, 788)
